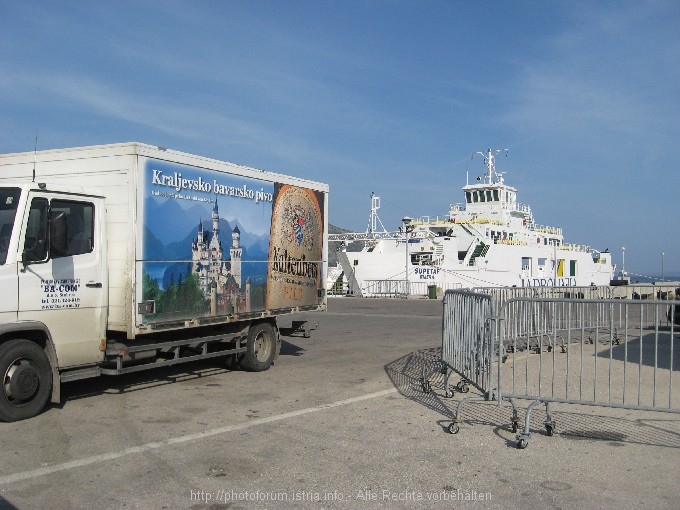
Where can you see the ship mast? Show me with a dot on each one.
(373, 219)
(489, 161)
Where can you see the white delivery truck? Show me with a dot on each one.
(124, 257)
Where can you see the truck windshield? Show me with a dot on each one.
(9, 198)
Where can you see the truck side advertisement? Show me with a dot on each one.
(219, 244)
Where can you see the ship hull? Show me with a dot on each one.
(502, 265)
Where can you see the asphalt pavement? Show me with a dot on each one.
(340, 421)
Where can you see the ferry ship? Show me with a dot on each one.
(491, 240)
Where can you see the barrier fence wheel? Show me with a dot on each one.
(550, 429)
(448, 394)
(427, 388)
(462, 387)
(454, 428)
(515, 427)
(522, 442)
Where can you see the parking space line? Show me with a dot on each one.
(94, 459)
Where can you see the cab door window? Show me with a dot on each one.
(79, 222)
(65, 226)
(35, 245)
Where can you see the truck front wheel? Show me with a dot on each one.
(260, 348)
(26, 380)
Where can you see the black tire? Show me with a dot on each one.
(260, 348)
(26, 380)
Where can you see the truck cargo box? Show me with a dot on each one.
(191, 241)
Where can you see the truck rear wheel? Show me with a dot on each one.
(260, 348)
(26, 380)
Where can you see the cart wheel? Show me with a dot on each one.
(522, 442)
(454, 428)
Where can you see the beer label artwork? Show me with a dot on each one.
(218, 244)
(295, 246)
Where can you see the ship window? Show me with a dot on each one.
(496, 195)
(526, 263)
(468, 197)
(421, 259)
(560, 268)
(541, 262)
(572, 268)
(488, 196)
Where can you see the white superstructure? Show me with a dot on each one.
(490, 240)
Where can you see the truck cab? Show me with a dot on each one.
(53, 281)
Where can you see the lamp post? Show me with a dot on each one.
(407, 228)
(623, 262)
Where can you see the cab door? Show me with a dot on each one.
(62, 273)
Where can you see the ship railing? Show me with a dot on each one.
(575, 247)
(548, 230)
(431, 220)
(512, 242)
(525, 208)
(479, 221)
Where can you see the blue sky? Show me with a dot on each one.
(390, 97)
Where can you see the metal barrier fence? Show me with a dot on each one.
(601, 352)
(399, 288)
(385, 288)
(644, 291)
(466, 342)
